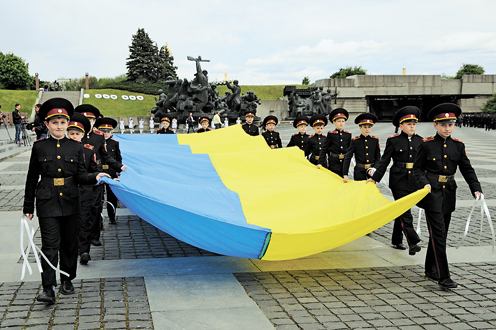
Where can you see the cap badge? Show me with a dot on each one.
(446, 115)
(59, 111)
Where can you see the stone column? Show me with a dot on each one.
(87, 81)
(37, 81)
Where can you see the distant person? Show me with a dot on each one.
(226, 122)
(141, 125)
(152, 125)
(16, 115)
(190, 121)
(131, 125)
(39, 125)
(122, 126)
(216, 120)
(174, 125)
(238, 121)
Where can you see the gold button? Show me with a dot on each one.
(411, 148)
(60, 194)
(410, 155)
(60, 170)
(445, 167)
(366, 154)
(409, 172)
(366, 147)
(433, 158)
(367, 160)
(445, 156)
(58, 157)
(58, 145)
(445, 145)
(71, 160)
(444, 187)
(45, 160)
(365, 140)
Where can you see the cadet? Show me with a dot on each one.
(249, 127)
(435, 168)
(165, 123)
(107, 125)
(272, 136)
(76, 129)
(337, 142)
(205, 123)
(402, 148)
(299, 139)
(97, 140)
(60, 163)
(365, 147)
(315, 142)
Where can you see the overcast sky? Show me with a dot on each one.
(257, 42)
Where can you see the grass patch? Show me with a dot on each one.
(9, 98)
(120, 107)
(268, 92)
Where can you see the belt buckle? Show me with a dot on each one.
(409, 165)
(443, 178)
(58, 181)
(272, 146)
(317, 157)
(341, 156)
(105, 167)
(367, 166)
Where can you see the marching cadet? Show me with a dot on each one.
(205, 123)
(299, 139)
(249, 127)
(402, 149)
(59, 162)
(315, 142)
(76, 130)
(337, 142)
(365, 147)
(107, 125)
(165, 123)
(434, 168)
(272, 136)
(97, 140)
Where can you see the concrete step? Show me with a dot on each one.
(73, 97)
(12, 152)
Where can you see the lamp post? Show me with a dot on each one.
(37, 81)
(87, 81)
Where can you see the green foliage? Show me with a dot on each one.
(166, 66)
(348, 71)
(469, 69)
(305, 81)
(8, 99)
(137, 87)
(120, 107)
(445, 76)
(267, 92)
(74, 85)
(490, 105)
(14, 72)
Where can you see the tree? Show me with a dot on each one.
(490, 105)
(166, 66)
(469, 69)
(348, 71)
(143, 59)
(305, 81)
(14, 72)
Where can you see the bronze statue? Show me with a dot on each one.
(234, 102)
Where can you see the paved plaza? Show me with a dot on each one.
(143, 278)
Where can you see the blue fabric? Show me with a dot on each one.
(182, 194)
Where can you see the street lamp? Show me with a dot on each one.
(87, 81)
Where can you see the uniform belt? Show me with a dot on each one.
(406, 165)
(105, 167)
(273, 146)
(440, 178)
(340, 156)
(57, 181)
(365, 166)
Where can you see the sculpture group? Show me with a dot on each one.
(310, 101)
(200, 97)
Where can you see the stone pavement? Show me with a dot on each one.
(143, 278)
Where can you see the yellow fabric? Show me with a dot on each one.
(308, 210)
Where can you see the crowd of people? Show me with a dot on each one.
(66, 164)
(479, 120)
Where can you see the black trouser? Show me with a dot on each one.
(96, 212)
(403, 224)
(436, 260)
(111, 198)
(59, 234)
(85, 218)
(336, 166)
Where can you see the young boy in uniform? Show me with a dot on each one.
(315, 142)
(106, 126)
(299, 139)
(402, 149)
(272, 136)
(434, 168)
(165, 123)
(365, 147)
(59, 162)
(337, 142)
(205, 123)
(249, 127)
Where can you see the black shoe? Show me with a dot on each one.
(96, 242)
(47, 296)
(431, 276)
(85, 257)
(399, 246)
(414, 249)
(112, 221)
(67, 287)
(448, 283)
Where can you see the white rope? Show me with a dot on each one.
(31, 246)
(103, 217)
(419, 232)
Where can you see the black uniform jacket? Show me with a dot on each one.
(403, 152)
(51, 158)
(250, 129)
(367, 151)
(201, 130)
(273, 139)
(336, 143)
(298, 140)
(314, 146)
(438, 156)
(162, 130)
(97, 140)
(112, 147)
(86, 191)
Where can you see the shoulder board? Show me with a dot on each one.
(294, 134)
(114, 140)
(347, 132)
(276, 131)
(89, 146)
(311, 136)
(356, 137)
(430, 138)
(98, 132)
(457, 140)
(394, 135)
(40, 140)
(374, 137)
(332, 132)
(324, 135)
